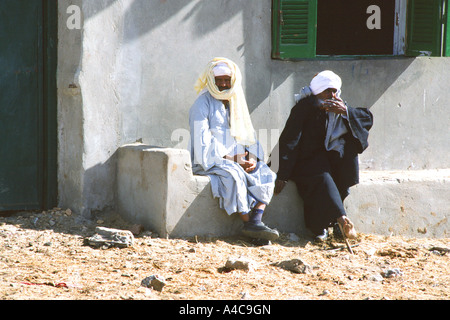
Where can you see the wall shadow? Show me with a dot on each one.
(204, 218)
(262, 74)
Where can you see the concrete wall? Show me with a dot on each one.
(129, 72)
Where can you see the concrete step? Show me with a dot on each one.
(409, 203)
(156, 188)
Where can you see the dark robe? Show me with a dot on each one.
(322, 177)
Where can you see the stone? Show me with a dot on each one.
(376, 277)
(241, 263)
(392, 273)
(111, 238)
(155, 282)
(294, 265)
(370, 252)
(136, 229)
(245, 296)
(293, 237)
(324, 293)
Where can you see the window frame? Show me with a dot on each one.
(401, 29)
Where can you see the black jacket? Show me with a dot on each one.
(304, 134)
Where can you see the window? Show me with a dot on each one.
(329, 28)
(345, 28)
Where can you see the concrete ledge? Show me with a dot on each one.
(408, 203)
(156, 188)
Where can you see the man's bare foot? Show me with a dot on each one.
(347, 226)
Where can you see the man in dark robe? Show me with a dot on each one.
(318, 150)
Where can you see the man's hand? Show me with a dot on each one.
(335, 105)
(279, 186)
(248, 165)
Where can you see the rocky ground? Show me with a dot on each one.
(46, 256)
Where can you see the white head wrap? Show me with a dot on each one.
(324, 80)
(241, 127)
(222, 69)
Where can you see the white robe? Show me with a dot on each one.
(237, 190)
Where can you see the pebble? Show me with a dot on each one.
(294, 265)
(370, 252)
(136, 229)
(376, 277)
(245, 296)
(155, 282)
(293, 237)
(324, 293)
(241, 263)
(392, 273)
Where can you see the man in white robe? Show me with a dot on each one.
(223, 146)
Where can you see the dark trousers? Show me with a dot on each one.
(321, 183)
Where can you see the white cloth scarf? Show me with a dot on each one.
(241, 127)
(324, 80)
(335, 123)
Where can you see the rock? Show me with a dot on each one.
(245, 296)
(293, 237)
(155, 282)
(440, 251)
(294, 265)
(392, 273)
(111, 238)
(376, 277)
(136, 229)
(324, 293)
(370, 252)
(241, 263)
(422, 230)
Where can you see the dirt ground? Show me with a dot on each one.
(44, 256)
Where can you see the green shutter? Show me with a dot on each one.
(424, 27)
(294, 27)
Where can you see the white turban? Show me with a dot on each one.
(222, 69)
(241, 127)
(324, 80)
